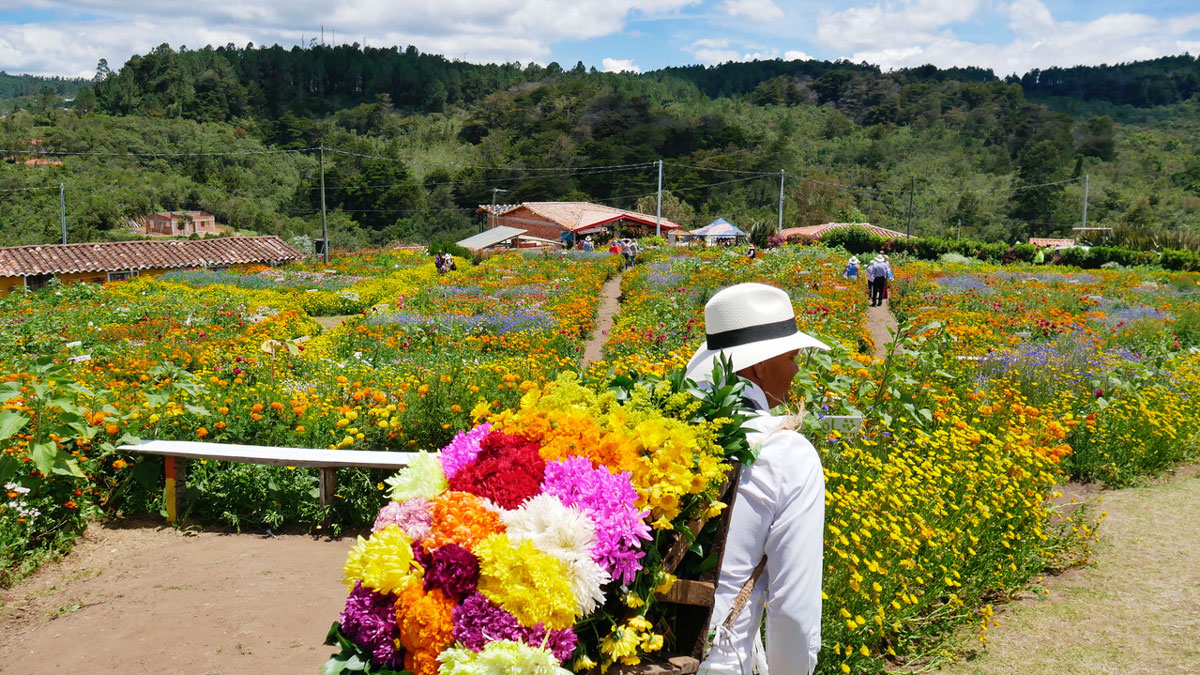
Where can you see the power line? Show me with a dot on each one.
(64, 153)
(26, 189)
(706, 168)
(502, 168)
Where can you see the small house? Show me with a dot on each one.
(33, 266)
(559, 221)
(181, 223)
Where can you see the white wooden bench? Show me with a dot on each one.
(328, 461)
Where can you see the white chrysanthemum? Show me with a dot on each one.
(566, 534)
(422, 478)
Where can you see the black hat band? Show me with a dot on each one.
(760, 333)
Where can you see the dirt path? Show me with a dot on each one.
(879, 320)
(1136, 610)
(609, 306)
(328, 322)
(152, 599)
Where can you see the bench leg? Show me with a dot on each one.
(176, 474)
(328, 484)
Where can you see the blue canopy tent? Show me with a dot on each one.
(717, 229)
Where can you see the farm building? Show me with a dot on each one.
(33, 266)
(555, 220)
(1042, 242)
(180, 223)
(817, 231)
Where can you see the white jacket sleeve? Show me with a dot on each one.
(779, 513)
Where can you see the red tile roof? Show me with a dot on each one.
(1050, 243)
(573, 216)
(21, 261)
(817, 231)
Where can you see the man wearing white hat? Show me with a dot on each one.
(777, 526)
(877, 273)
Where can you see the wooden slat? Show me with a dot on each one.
(259, 454)
(671, 665)
(685, 592)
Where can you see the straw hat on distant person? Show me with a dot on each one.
(748, 323)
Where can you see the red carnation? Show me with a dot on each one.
(508, 470)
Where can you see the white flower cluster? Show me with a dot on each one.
(20, 505)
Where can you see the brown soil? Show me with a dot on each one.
(1136, 609)
(152, 599)
(328, 322)
(609, 306)
(879, 320)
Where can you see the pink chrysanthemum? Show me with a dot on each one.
(412, 516)
(463, 449)
(608, 499)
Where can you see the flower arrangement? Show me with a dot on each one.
(534, 542)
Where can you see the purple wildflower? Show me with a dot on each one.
(608, 499)
(369, 621)
(462, 450)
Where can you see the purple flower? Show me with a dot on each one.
(413, 516)
(369, 621)
(478, 621)
(608, 499)
(462, 450)
(451, 568)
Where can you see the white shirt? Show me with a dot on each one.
(780, 513)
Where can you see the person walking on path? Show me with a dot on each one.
(776, 529)
(877, 273)
(851, 272)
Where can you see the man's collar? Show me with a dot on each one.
(754, 397)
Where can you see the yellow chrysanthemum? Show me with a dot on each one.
(531, 585)
(383, 563)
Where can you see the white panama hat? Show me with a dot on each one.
(880, 258)
(749, 323)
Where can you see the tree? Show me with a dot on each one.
(1037, 193)
(673, 208)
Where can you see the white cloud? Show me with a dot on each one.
(892, 25)
(755, 10)
(911, 34)
(620, 66)
(472, 30)
(715, 51)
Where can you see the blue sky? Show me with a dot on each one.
(51, 37)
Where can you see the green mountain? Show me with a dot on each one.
(416, 141)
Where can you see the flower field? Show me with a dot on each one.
(1009, 383)
(1003, 383)
(237, 358)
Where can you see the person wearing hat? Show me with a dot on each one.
(776, 529)
(851, 268)
(877, 273)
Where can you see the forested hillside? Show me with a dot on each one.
(415, 142)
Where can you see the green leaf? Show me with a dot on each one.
(44, 455)
(9, 390)
(197, 410)
(10, 423)
(8, 467)
(156, 398)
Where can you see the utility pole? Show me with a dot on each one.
(62, 210)
(324, 223)
(495, 218)
(1085, 199)
(658, 213)
(779, 225)
(912, 188)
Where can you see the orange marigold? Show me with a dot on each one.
(426, 627)
(461, 518)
